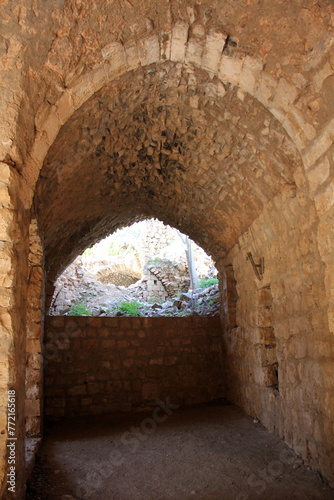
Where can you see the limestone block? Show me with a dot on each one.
(86, 401)
(7, 281)
(5, 173)
(33, 346)
(156, 361)
(179, 41)
(4, 371)
(92, 388)
(33, 383)
(131, 55)
(113, 50)
(88, 344)
(149, 50)
(297, 349)
(214, 46)
(324, 201)
(34, 361)
(296, 130)
(230, 69)
(318, 175)
(150, 391)
(34, 330)
(108, 344)
(33, 407)
(5, 197)
(81, 91)
(51, 125)
(285, 95)
(64, 107)
(267, 335)
(99, 77)
(36, 279)
(250, 73)
(6, 261)
(6, 322)
(329, 281)
(58, 321)
(33, 426)
(6, 298)
(40, 148)
(194, 51)
(265, 89)
(32, 390)
(319, 145)
(79, 390)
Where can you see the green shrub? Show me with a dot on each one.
(88, 252)
(115, 248)
(130, 308)
(204, 283)
(111, 310)
(79, 309)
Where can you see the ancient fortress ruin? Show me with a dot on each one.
(146, 261)
(214, 117)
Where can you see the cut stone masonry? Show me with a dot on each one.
(113, 112)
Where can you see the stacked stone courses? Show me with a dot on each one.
(103, 365)
(215, 117)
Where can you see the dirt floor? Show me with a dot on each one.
(207, 452)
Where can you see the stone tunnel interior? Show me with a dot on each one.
(216, 118)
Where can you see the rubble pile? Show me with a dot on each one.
(199, 302)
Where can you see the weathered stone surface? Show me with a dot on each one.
(217, 146)
(188, 372)
(154, 155)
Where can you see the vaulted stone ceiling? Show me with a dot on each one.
(165, 139)
(162, 141)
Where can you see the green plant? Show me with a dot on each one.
(111, 310)
(130, 308)
(115, 248)
(182, 313)
(88, 252)
(205, 282)
(211, 302)
(79, 309)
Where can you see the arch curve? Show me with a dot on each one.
(246, 73)
(164, 140)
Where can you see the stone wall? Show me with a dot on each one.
(35, 330)
(14, 251)
(101, 365)
(163, 280)
(278, 345)
(158, 270)
(199, 114)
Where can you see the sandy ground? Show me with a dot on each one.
(211, 452)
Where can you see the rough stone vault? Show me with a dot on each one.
(215, 117)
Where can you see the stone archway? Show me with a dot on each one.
(256, 83)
